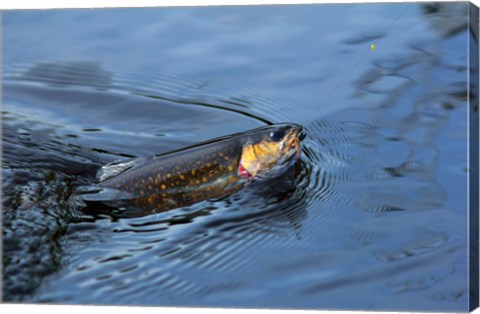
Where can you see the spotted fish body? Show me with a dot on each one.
(209, 170)
(181, 177)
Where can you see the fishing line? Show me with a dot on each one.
(371, 48)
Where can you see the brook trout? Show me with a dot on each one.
(209, 170)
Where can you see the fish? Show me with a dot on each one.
(209, 170)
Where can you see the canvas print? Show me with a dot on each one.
(320, 156)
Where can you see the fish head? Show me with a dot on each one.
(271, 150)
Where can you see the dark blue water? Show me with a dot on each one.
(374, 216)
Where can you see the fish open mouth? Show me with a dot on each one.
(296, 136)
(288, 157)
(295, 144)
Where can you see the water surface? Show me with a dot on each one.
(373, 216)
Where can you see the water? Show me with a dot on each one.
(372, 217)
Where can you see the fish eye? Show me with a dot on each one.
(277, 135)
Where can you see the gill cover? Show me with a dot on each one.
(271, 152)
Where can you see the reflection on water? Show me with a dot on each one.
(372, 217)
